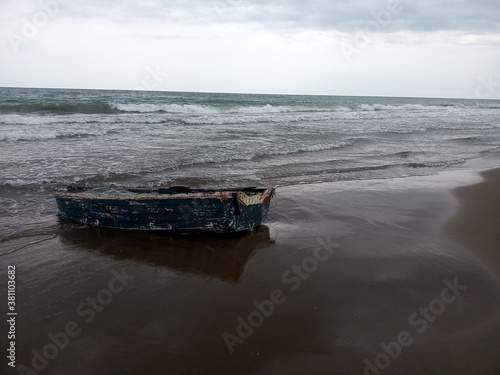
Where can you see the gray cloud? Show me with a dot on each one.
(428, 48)
(473, 16)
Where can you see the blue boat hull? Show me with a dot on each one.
(176, 210)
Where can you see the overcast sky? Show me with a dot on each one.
(429, 48)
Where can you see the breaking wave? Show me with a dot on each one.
(167, 108)
(268, 108)
(27, 135)
(66, 108)
(57, 108)
(101, 137)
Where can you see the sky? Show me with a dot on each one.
(421, 48)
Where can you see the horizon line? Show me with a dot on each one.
(241, 93)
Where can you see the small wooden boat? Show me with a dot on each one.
(177, 209)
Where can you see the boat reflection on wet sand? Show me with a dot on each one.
(216, 256)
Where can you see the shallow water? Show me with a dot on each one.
(50, 136)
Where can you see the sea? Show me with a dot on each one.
(371, 246)
(59, 137)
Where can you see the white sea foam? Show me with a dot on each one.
(43, 134)
(298, 148)
(268, 108)
(404, 107)
(229, 138)
(169, 108)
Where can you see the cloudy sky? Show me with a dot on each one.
(429, 48)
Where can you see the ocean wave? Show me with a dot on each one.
(165, 176)
(58, 108)
(207, 110)
(261, 154)
(113, 178)
(83, 119)
(184, 109)
(29, 136)
(403, 107)
(268, 108)
(370, 168)
(434, 164)
(288, 173)
(309, 148)
(466, 139)
(167, 108)
(490, 150)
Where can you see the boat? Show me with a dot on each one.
(178, 209)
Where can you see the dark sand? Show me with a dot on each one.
(372, 256)
(477, 225)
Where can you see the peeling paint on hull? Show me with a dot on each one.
(177, 209)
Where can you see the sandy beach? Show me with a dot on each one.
(396, 276)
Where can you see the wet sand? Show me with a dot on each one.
(477, 224)
(387, 276)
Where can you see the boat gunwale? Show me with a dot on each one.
(223, 194)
